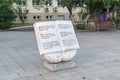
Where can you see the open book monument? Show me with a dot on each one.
(57, 43)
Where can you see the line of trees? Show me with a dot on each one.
(7, 15)
(93, 6)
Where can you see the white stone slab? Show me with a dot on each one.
(67, 35)
(47, 37)
(55, 36)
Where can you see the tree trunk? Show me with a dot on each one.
(71, 17)
(22, 21)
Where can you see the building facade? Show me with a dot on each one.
(45, 12)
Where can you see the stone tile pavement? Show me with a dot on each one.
(97, 59)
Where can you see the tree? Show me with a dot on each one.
(19, 11)
(37, 2)
(70, 4)
(98, 6)
(22, 12)
(7, 15)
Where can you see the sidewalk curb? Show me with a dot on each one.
(21, 27)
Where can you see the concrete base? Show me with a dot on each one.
(60, 66)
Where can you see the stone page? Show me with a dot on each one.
(55, 36)
(47, 37)
(67, 35)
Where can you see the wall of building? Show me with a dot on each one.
(40, 13)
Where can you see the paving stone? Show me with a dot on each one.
(4, 54)
(110, 77)
(1, 64)
(9, 77)
(3, 71)
(97, 59)
(25, 64)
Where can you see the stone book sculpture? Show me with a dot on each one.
(57, 43)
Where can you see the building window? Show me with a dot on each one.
(23, 18)
(35, 2)
(61, 17)
(36, 17)
(59, 2)
(48, 2)
(22, 2)
(49, 17)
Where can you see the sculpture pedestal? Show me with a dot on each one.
(57, 43)
(60, 66)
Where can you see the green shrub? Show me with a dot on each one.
(80, 26)
(6, 16)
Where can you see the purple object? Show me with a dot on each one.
(101, 17)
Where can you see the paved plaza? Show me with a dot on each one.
(97, 59)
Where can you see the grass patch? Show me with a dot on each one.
(20, 24)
